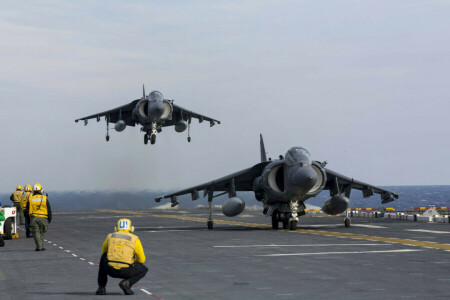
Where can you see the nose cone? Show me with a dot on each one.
(302, 180)
(155, 110)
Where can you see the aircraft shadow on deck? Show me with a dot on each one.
(199, 228)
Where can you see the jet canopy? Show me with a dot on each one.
(155, 96)
(297, 155)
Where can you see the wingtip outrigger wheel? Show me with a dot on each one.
(210, 224)
(189, 139)
(347, 222)
(107, 138)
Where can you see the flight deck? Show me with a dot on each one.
(241, 258)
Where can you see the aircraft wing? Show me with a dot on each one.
(338, 183)
(124, 111)
(243, 181)
(185, 114)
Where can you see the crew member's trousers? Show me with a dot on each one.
(27, 223)
(19, 211)
(133, 273)
(39, 227)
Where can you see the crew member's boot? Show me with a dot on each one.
(125, 286)
(101, 291)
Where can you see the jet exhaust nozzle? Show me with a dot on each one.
(233, 207)
(120, 126)
(335, 205)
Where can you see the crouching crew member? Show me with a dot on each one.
(25, 197)
(16, 197)
(123, 257)
(40, 214)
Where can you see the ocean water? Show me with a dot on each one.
(409, 197)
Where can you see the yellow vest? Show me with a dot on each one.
(121, 249)
(24, 200)
(17, 196)
(38, 206)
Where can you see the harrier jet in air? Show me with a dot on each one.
(283, 185)
(152, 112)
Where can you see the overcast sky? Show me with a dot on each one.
(362, 84)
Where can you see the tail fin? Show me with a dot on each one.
(263, 149)
(143, 91)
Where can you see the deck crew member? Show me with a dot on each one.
(123, 257)
(2, 218)
(25, 197)
(16, 197)
(40, 214)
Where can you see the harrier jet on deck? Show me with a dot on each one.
(152, 112)
(282, 186)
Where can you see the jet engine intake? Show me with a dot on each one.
(141, 111)
(181, 126)
(321, 179)
(233, 207)
(271, 182)
(335, 205)
(120, 126)
(168, 109)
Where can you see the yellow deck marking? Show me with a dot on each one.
(2, 276)
(309, 231)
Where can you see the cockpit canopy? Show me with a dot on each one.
(297, 155)
(155, 96)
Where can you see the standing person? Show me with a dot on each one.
(25, 197)
(2, 218)
(16, 197)
(123, 257)
(40, 213)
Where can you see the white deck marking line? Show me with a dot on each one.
(91, 263)
(368, 226)
(429, 231)
(170, 230)
(145, 291)
(343, 252)
(305, 245)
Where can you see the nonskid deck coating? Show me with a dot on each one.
(241, 258)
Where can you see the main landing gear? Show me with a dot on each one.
(285, 218)
(151, 137)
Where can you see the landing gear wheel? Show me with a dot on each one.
(285, 224)
(189, 139)
(146, 139)
(293, 225)
(210, 224)
(274, 220)
(347, 222)
(8, 228)
(107, 138)
(153, 139)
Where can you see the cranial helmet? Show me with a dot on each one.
(19, 188)
(27, 188)
(37, 188)
(124, 225)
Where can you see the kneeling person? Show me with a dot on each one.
(123, 257)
